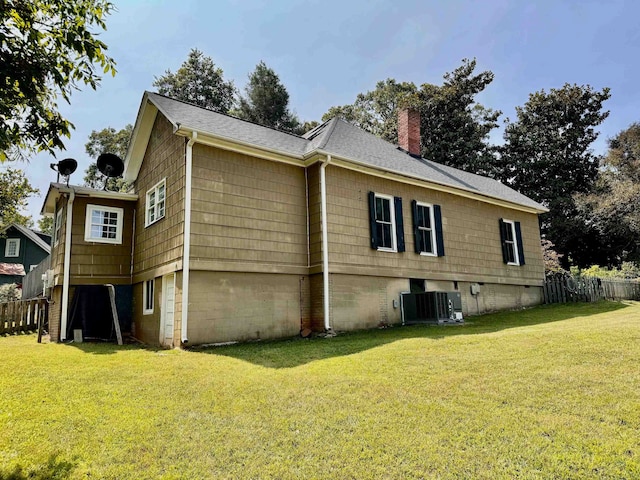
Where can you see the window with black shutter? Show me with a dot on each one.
(427, 229)
(385, 218)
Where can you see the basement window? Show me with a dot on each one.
(147, 295)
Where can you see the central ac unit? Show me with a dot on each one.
(431, 307)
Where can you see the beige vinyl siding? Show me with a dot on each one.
(100, 263)
(470, 227)
(246, 210)
(162, 242)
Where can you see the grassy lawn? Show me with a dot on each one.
(552, 392)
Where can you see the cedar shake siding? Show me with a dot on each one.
(94, 263)
(473, 250)
(160, 243)
(247, 214)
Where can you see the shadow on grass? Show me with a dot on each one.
(54, 469)
(292, 352)
(297, 351)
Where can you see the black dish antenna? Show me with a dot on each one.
(110, 165)
(65, 168)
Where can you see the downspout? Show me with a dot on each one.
(325, 243)
(187, 237)
(66, 268)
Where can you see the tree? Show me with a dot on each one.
(547, 156)
(612, 206)
(45, 225)
(15, 189)
(198, 81)
(308, 126)
(267, 101)
(107, 140)
(48, 50)
(376, 111)
(550, 257)
(454, 127)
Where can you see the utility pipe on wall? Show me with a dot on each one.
(187, 237)
(66, 268)
(325, 243)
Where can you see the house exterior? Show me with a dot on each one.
(21, 250)
(240, 232)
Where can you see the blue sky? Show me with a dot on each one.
(326, 52)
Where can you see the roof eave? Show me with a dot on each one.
(227, 143)
(397, 175)
(55, 189)
(140, 138)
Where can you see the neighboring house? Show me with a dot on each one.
(21, 250)
(238, 232)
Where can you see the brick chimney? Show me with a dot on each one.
(409, 130)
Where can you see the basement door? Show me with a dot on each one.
(168, 309)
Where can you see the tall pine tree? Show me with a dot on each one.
(267, 101)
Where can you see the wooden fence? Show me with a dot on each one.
(23, 316)
(568, 289)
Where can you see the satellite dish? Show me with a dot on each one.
(65, 168)
(110, 165)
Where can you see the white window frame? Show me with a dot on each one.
(7, 247)
(513, 243)
(392, 213)
(432, 230)
(148, 300)
(88, 224)
(58, 227)
(155, 210)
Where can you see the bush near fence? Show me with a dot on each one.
(23, 316)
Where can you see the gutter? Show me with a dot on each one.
(187, 237)
(409, 179)
(67, 268)
(325, 243)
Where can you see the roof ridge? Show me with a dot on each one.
(225, 114)
(331, 128)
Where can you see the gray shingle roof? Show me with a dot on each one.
(339, 139)
(190, 116)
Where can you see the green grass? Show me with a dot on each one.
(551, 392)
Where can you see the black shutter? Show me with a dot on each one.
(503, 242)
(519, 241)
(416, 230)
(437, 213)
(372, 220)
(399, 224)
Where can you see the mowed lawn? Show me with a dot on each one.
(551, 392)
